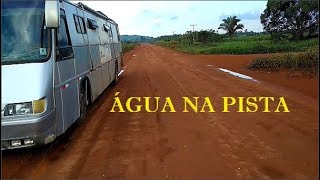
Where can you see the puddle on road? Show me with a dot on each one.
(239, 75)
(209, 65)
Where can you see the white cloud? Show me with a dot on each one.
(152, 18)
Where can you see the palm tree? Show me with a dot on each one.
(231, 25)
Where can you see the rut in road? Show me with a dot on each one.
(117, 145)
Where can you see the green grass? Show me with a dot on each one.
(303, 61)
(251, 47)
(128, 46)
(243, 45)
(250, 38)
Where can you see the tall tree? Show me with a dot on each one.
(207, 36)
(297, 18)
(230, 25)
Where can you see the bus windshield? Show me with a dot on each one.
(23, 35)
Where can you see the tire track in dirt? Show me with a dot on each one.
(295, 105)
(245, 87)
(113, 158)
(263, 151)
(227, 137)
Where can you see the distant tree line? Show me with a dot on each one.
(205, 36)
(136, 39)
(202, 36)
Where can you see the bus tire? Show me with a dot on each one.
(83, 102)
(116, 77)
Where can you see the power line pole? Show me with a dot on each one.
(173, 32)
(193, 25)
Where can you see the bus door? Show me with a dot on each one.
(114, 40)
(105, 41)
(67, 92)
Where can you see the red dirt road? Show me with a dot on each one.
(185, 145)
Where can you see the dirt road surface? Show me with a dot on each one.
(185, 145)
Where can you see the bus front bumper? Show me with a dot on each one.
(29, 132)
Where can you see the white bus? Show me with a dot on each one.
(56, 57)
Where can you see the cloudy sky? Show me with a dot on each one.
(156, 18)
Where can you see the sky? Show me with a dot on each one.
(157, 18)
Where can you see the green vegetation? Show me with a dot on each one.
(303, 61)
(303, 54)
(289, 26)
(256, 44)
(128, 46)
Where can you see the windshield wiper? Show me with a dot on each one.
(42, 31)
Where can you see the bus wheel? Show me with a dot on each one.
(83, 104)
(116, 78)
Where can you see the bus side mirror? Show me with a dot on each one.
(52, 14)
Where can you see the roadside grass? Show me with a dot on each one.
(298, 55)
(243, 45)
(249, 38)
(250, 47)
(307, 62)
(128, 46)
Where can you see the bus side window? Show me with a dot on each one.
(80, 24)
(108, 30)
(64, 41)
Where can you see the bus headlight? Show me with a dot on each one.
(23, 108)
(19, 109)
(35, 107)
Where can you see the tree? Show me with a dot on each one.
(296, 19)
(231, 25)
(207, 36)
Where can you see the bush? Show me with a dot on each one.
(173, 44)
(306, 61)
